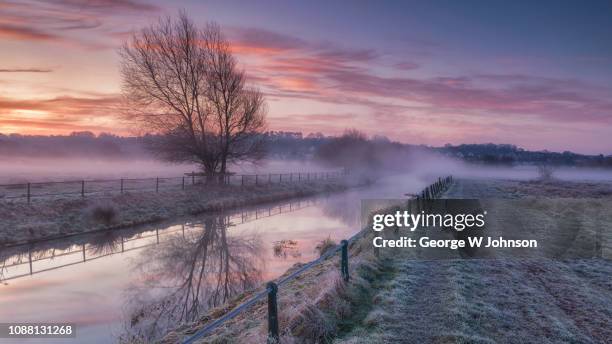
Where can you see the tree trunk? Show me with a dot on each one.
(223, 171)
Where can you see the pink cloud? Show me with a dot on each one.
(105, 5)
(26, 70)
(342, 75)
(55, 20)
(25, 33)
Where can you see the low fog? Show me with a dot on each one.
(433, 165)
(85, 156)
(19, 170)
(422, 166)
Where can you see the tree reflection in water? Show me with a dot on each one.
(188, 274)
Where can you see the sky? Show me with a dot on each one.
(534, 74)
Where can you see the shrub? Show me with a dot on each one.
(312, 325)
(103, 213)
(545, 172)
(325, 245)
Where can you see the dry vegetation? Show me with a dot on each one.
(316, 307)
(325, 245)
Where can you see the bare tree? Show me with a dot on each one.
(183, 84)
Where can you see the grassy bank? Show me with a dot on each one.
(21, 222)
(316, 307)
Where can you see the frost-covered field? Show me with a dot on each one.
(490, 188)
(43, 218)
(504, 300)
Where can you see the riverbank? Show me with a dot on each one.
(315, 307)
(21, 222)
(398, 296)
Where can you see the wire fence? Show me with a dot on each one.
(435, 190)
(31, 261)
(83, 188)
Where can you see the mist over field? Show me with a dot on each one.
(19, 170)
(419, 165)
(423, 164)
(83, 155)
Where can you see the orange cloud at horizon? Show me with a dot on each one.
(60, 115)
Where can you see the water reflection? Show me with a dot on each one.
(25, 260)
(188, 274)
(168, 273)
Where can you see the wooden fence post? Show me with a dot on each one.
(183, 186)
(29, 195)
(122, 186)
(272, 313)
(344, 265)
(30, 259)
(156, 184)
(83, 188)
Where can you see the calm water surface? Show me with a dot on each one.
(141, 281)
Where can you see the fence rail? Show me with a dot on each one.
(83, 188)
(435, 190)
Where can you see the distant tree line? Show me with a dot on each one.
(350, 148)
(77, 144)
(507, 154)
(353, 146)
